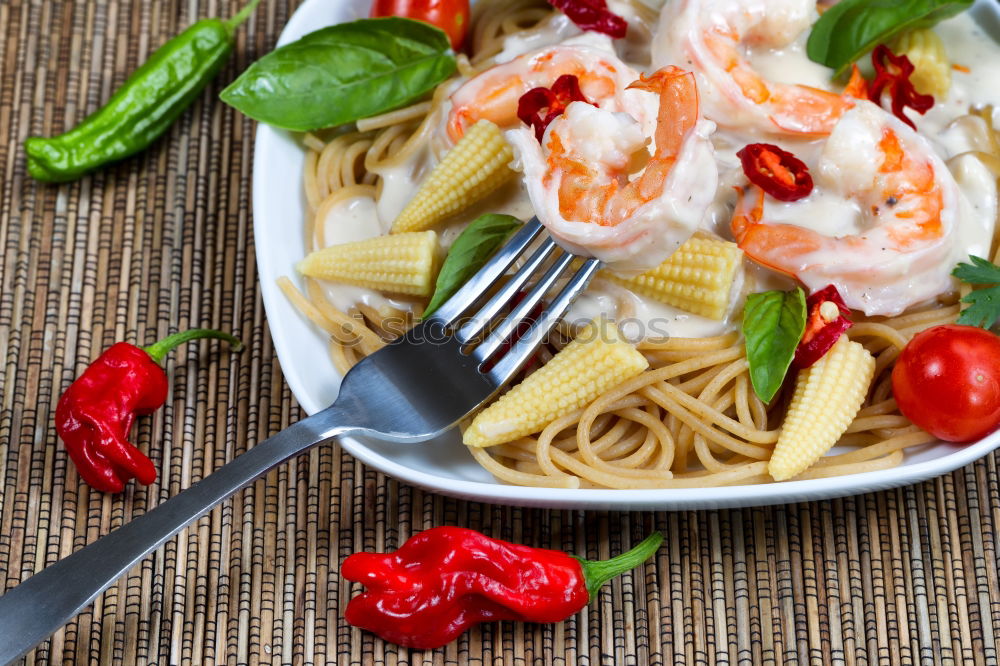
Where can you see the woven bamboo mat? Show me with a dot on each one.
(163, 242)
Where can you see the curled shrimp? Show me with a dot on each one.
(900, 237)
(598, 190)
(711, 37)
(494, 93)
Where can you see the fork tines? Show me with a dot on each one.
(507, 338)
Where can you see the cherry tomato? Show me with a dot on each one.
(452, 16)
(947, 381)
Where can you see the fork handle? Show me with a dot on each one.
(39, 606)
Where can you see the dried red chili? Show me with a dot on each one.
(824, 326)
(593, 15)
(446, 579)
(95, 414)
(554, 100)
(776, 171)
(892, 74)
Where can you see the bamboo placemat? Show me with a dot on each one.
(163, 242)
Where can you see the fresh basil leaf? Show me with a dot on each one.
(773, 323)
(339, 74)
(851, 28)
(468, 253)
(984, 304)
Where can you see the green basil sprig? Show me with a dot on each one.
(339, 74)
(852, 28)
(468, 253)
(773, 323)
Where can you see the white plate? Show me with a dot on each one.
(444, 465)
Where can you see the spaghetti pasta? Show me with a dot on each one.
(690, 420)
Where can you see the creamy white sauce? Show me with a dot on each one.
(639, 317)
(399, 184)
(828, 213)
(634, 49)
(355, 219)
(790, 64)
(980, 188)
(557, 30)
(968, 46)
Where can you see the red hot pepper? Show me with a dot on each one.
(564, 91)
(827, 319)
(779, 173)
(593, 15)
(892, 73)
(95, 414)
(446, 579)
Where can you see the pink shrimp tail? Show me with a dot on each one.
(675, 120)
(678, 112)
(857, 87)
(746, 215)
(780, 247)
(810, 111)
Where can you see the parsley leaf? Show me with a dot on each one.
(980, 271)
(984, 304)
(983, 309)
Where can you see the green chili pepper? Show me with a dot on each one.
(142, 109)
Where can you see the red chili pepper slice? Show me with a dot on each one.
(779, 173)
(446, 579)
(822, 331)
(892, 73)
(593, 15)
(564, 91)
(95, 414)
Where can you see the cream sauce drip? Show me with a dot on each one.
(355, 219)
(969, 46)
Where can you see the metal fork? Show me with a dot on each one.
(385, 395)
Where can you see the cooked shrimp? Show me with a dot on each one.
(901, 240)
(586, 186)
(711, 38)
(494, 93)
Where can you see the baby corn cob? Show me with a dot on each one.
(931, 68)
(597, 360)
(400, 264)
(474, 168)
(697, 277)
(827, 396)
